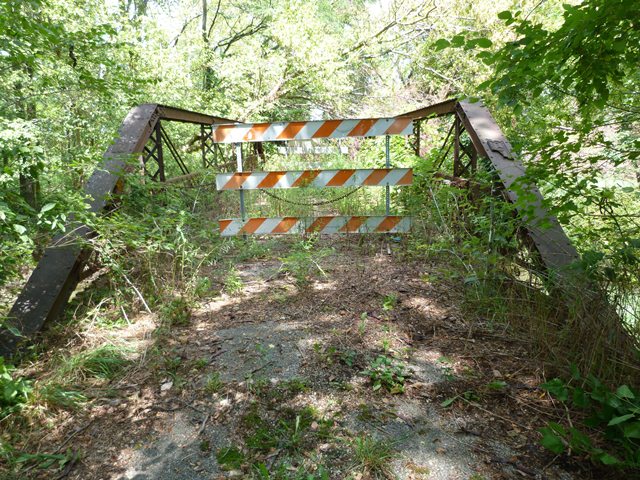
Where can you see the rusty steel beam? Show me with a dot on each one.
(174, 114)
(58, 272)
(543, 229)
(448, 107)
(546, 233)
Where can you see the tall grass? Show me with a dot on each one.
(567, 320)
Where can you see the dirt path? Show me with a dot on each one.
(270, 379)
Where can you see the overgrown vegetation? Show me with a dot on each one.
(69, 72)
(614, 415)
(387, 373)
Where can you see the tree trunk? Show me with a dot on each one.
(206, 80)
(29, 180)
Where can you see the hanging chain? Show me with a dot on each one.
(311, 204)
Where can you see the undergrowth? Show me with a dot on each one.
(564, 317)
(611, 435)
(571, 319)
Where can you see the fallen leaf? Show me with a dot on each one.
(166, 386)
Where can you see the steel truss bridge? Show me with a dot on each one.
(142, 135)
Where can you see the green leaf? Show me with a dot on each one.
(457, 41)
(580, 398)
(557, 388)
(632, 430)
(441, 44)
(607, 459)
(448, 401)
(579, 440)
(620, 419)
(19, 228)
(505, 15)
(497, 385)
(625, 392)
(47, 207)
(14, 331)
(483, 42)
(551, 441)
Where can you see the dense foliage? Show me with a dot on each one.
(561, 78)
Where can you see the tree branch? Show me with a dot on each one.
(215, 17)
(184, 27)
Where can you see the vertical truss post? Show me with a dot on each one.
(416, 145)
(202, 147)
(159, 150)
(387, 155)
(457, 165)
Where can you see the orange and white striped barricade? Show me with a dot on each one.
(325, 225)
(238, 133)
(312, 129)
(314, 178)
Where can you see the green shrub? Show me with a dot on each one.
(14, 392)
(177, 312)
(615, 415)
(388, 373)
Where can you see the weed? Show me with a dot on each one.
(257, 386)
(331, 355)
(233, 282)
(348, 357)
(177, 312)
(468, 396)
(497, 385)
(230, 458)
(616, 414)
(56, 395)
(201, 363)
(294, 386)
(447, 368)
(366, 413)
(203, 285)
(373, 456)
(253, 248)
(389, 302)
(213, 384)
(362, 325)
(291, 432)
(302, 262)
(44, 461)
(388, 373)
(14, 392)
(105, 362)
(172, 364)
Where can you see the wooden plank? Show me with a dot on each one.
(447, 107)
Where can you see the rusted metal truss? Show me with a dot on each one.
(474, 134)
(485, 139)
(60, 268)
